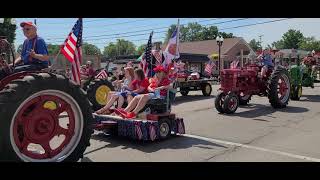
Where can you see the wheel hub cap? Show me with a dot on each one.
(37, 126)
(102, 94)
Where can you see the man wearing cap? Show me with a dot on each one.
(34, 54)
(88, 71)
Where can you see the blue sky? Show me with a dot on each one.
(102, 31)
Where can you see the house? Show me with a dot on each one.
(193, 53)
(196, 54)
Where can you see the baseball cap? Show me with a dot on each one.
(159, 68)
(27, 23)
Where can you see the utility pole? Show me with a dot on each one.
(260, 41)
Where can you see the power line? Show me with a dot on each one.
(129, 32)
(256, 23)
(118, 34)
(156, 32)
(102, 19)
(247, 25)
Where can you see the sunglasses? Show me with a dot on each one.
(26, 29)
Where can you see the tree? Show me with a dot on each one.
(8, 30)
(53, 49)
(291, 39)
(309, 44)
(19, 49)
(197, 32)
(90, 49)
(141, 49)
(255, 45)
(122, 47)
(278, 44)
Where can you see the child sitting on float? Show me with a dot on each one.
(159, 83)
(114, 96)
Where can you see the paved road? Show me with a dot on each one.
(255, 132)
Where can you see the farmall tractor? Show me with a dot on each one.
(44, 116)
(238, 85)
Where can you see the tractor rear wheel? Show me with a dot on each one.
(46, 118)
(206, 89)
(219, 101)
(97, 92)
(278, 89)
(231, 103)
(296, 92)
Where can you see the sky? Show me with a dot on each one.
(102, 31)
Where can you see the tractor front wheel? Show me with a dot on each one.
(296, 93)
(231, 103)
(219, 101)
(244, 99)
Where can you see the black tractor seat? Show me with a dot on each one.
(158, 106)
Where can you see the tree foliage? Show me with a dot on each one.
(255, 45)
(197, 32)
(121, 47)
(8, 30)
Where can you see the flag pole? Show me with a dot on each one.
(151, 70)
(178, 35)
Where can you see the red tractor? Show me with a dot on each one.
(238, 85)
(44, 116)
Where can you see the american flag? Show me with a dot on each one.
(234, 64)
(148, 55)
(152, 132)
(138, 130)
(72, 50)
(209, 66)
(181, 129)
(102, 74)
(172, 50)
(158, 56)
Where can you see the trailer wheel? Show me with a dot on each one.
(296, 93)
(219, 101)
(184, 92)
(164, 128)
(206, 89)
(47, 119)
(231, 103)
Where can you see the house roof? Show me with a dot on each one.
(208, 47)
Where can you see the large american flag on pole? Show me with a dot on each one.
(72, 50)
(147, 57)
